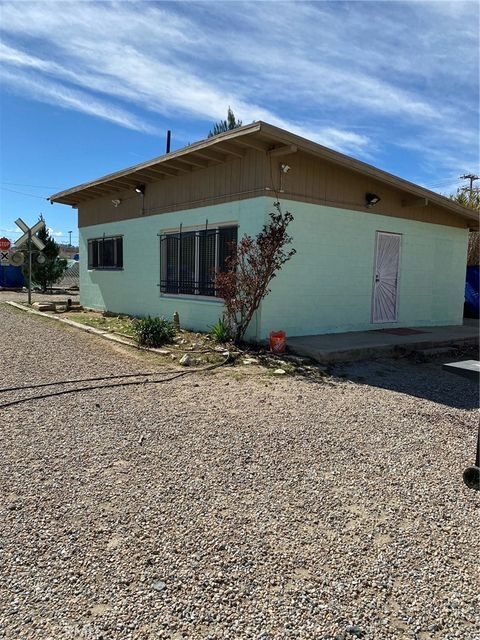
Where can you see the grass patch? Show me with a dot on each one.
(121, 325)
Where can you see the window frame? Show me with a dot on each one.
(99, 242)
(196, 294)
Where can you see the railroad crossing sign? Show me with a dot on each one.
(29, 234)
(30, 238)
(4, 247)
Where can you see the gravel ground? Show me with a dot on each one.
(233, 504)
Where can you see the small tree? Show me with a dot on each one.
(225, 125)
(250, 268)
(47, 274)
(470, 198)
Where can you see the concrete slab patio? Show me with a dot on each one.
(360, 345)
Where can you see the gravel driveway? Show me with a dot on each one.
(232, 504)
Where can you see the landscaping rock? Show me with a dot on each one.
(279, 372)
(355, 631)
(159, 585)
(44, 306)
(187, 360)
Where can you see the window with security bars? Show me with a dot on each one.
(105, 253)
(190, 259)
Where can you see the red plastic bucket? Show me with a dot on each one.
(278, 341)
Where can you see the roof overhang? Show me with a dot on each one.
(261, 136)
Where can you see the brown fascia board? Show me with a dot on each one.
(275, 135)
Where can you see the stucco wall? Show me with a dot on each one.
(326, 287)
(134, 290)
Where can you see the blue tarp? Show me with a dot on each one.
(11, 277)
(471, 291)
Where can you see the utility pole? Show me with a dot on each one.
(29, 267)
(472, 177)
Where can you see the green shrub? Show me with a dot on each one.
(153, 332)
(221, 331)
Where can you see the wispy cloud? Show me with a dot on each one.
(59, 95)
(9, 230)
(350, 75)
(56, 234)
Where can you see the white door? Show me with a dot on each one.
(385, 277)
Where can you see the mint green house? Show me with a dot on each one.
(373, 250)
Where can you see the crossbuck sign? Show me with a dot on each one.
(30, 238)
(29, 234)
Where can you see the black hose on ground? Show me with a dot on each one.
(51, 384)
(111, 386)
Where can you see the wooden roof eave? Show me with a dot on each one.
(263, 137)
(271, 132)
(185, 155)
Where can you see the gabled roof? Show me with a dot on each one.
(258, 135)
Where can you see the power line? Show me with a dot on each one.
(22, 193)
(34, 186)
(444, 183)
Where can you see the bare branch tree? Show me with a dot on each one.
(250, 268)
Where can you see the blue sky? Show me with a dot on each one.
(91, 87)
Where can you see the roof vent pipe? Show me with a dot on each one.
(169, 136)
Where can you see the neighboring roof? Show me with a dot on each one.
(258, 135)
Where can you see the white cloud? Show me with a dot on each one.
(56, 234)
(58, 95)
(7, 230)
(153, 79)
(348, 75)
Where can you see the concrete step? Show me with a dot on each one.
(348, 347)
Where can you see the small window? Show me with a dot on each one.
(191, 259)
(105, 253)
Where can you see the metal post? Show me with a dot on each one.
(471, 475)
(29, 266)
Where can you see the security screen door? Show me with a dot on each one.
(385, 281)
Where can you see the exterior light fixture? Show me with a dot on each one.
(140, 189)
(284, 169)
(372, 199)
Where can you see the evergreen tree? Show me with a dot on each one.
(225, 125)
(47, 274)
